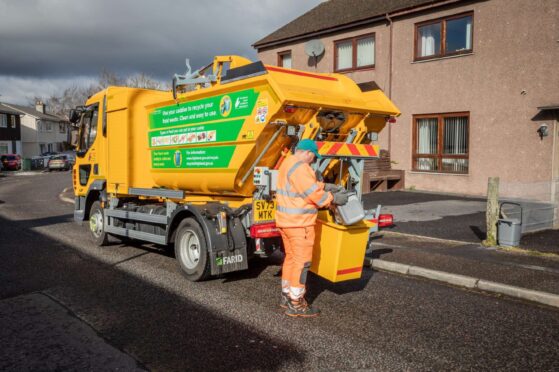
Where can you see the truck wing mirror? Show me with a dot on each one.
(74, 116)
(81, 153)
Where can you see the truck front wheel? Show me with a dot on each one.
(191, 250)
(96, 225)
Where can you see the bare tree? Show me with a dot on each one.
(144, 81)
(77, 95)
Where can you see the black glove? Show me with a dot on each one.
(340, 198)
(332, 187)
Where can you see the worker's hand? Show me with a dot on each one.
(340, 198)
(332, 187)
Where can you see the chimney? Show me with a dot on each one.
(40, 106)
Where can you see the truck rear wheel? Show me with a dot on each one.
(96, 225)
(191, 250)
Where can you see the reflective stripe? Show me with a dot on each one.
(304, 195)
(290, 172)
(310, 190)
(294, 168)
(323, 199)
(297, 210)
(288, 193)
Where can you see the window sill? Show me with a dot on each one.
(442, 58)
(354, 70)
(439, 173)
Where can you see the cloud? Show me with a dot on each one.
(22, 90)
(43, 43)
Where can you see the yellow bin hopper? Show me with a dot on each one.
(339, 250)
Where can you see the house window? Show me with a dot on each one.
(61, 128)
(355, 53)
(13, 121)
(444, 37)
(441, 143)
(42, 148)
(48, 126)
(3, 121)
(284, 59)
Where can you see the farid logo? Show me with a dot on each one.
(225, 106)
(220, 261)
(178, 158)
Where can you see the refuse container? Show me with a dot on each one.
(509, 230)
(26, 164)
(339, 251)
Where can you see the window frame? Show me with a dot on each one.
(354, 40)
(13, 121)
(442, 46)
(3, 120)
(281, 55)
(440, 142)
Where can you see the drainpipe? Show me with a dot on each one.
(390, 80)
(555, 174)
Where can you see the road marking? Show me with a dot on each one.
(65, 199)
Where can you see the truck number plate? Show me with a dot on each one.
(264, 210)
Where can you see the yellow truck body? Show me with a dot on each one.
(184, 151)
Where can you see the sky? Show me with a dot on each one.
(49, 45)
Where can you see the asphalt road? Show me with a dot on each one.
(134, 299)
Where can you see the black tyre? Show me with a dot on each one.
(96, 225)
(191, 250)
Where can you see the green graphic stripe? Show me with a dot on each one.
(193, 158)
(231, 105)
(195, 134)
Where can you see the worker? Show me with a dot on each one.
(299, 196)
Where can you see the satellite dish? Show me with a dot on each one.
(314, 48)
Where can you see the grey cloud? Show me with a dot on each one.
(65, 38)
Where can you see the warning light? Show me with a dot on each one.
(385, 220)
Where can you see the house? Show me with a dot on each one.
(41, 132)
(10, 131)
(476, 81)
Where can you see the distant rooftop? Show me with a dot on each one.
(6, 110)
(335, 13)
(33, 112)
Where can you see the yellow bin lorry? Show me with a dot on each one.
(196, 167)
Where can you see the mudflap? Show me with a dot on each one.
(227, 251)
(228, 261)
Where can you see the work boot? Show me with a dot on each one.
(284, 300)
(300, 307)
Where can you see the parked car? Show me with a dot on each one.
(11, 161)
(49, 153)
(71, 156)
(59, 162)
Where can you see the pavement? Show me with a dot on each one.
(449, 217)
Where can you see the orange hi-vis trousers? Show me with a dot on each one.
(298, 243)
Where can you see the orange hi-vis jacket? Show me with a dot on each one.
(299, 195)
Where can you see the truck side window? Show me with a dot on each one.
(89, 127)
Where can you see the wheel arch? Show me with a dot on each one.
(188, 211)
(95, 192)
